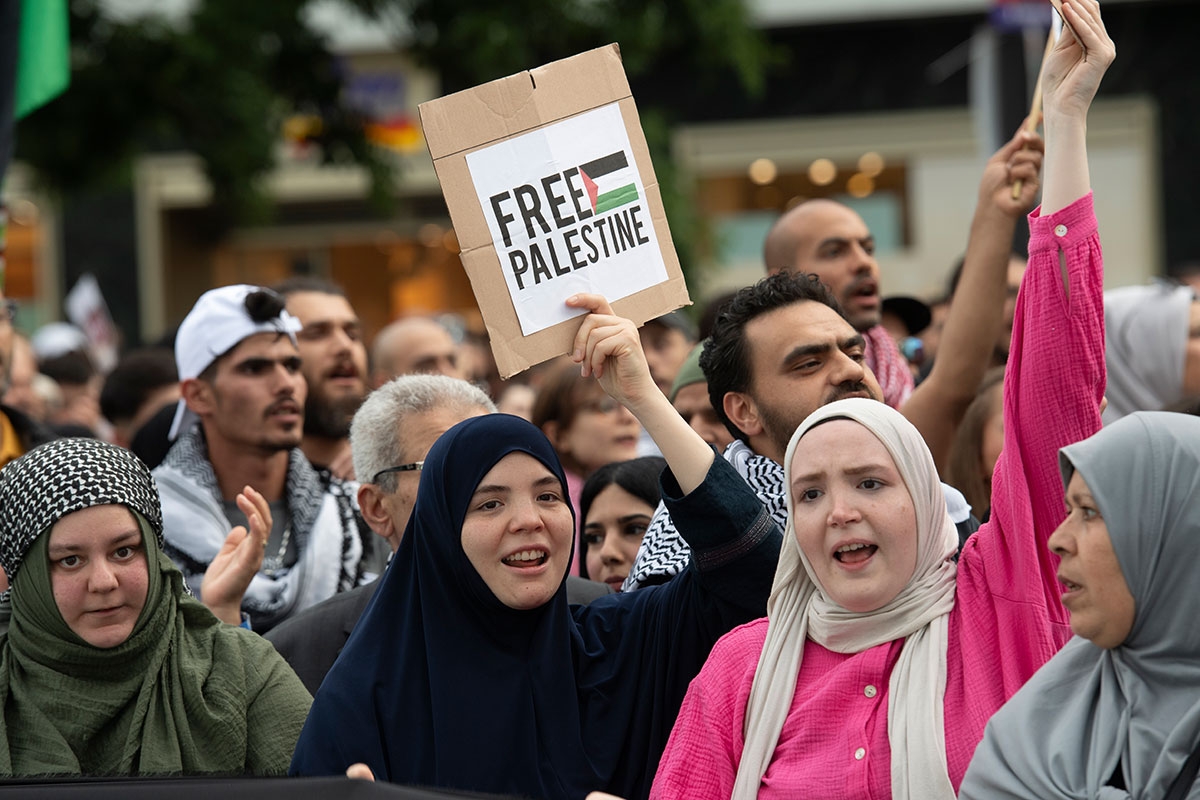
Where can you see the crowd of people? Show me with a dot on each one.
(766, 555)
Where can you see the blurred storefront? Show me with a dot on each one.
(913, 176)
(322, 224)
(30, 256)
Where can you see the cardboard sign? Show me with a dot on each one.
(550, 187)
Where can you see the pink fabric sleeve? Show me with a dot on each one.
(701, 757)
(1052, 390)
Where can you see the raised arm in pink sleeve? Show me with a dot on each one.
(1008, 619)
(1052, 392)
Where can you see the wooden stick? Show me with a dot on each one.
(1035, 108)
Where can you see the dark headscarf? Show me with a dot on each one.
(184, 693)
(1136, 707)
(637, 476)
(443, 685)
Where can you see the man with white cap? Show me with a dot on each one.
(239, 423)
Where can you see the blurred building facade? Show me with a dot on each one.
(889, 105)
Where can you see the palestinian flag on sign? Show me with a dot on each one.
(610, 182)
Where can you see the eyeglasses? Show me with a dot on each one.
(8, 311)
(415, 466)
(600, 405)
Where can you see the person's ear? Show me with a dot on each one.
(374, 512)
(554, 434)
(198, 394)
(743, 412)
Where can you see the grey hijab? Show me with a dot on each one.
(1146, 333)
(1089, 711)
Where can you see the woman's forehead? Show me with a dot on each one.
(516, 464)
(839, 439)
(94, 524)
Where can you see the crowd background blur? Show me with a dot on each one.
(150, 152)
(318, 171)
(316, 164)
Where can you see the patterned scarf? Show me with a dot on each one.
(63, 476)
(664, 553)
(324, 524)
(890, 368)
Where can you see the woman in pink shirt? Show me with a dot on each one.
(881, 658)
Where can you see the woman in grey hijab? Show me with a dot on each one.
(1152, 360)
(1116, 713)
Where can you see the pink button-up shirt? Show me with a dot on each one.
(1008, 619)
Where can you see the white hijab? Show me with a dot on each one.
(799, 609)
(1146, 334)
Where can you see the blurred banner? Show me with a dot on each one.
(43, 55)
(88, 311)
(35, 67)
(1014, 16)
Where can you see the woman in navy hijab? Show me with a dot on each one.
(470, 671)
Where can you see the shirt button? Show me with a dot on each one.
(1060, 230)
(870, 691)
(859, 753)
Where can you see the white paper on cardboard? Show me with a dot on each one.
(567, 213)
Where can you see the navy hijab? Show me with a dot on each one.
(442, 685)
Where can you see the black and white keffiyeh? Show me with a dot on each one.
(66, 475)
(323, 519)
(664, 553)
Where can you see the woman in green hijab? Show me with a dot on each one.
(109, 666)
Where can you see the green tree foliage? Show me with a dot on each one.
(467, 42)
(220, 85)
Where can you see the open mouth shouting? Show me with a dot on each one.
(854, 554)
(864, 292)
(344, 369)
(344, 374)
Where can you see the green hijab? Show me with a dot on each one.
(184, 694)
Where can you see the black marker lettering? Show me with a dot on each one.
(556, 201)
(502, 219)
(532, 211)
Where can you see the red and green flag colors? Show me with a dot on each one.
(609, 182)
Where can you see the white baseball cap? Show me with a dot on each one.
(56, 339)
(214, 326)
